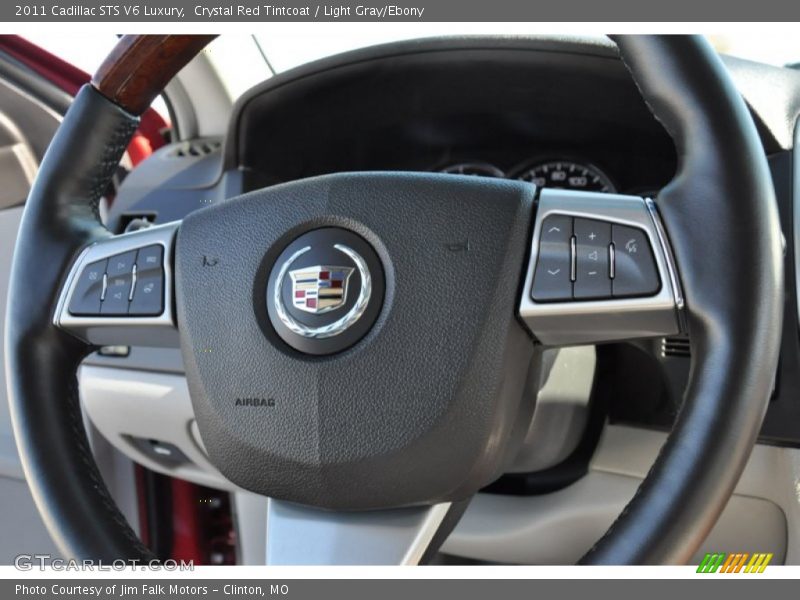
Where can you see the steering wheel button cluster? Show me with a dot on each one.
(592, 266)
(89, 288)
(148, 293)
(128, 283)
(634, 269)
(553, 278)
(592, 259)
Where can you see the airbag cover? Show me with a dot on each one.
(428, 406)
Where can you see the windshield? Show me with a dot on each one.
(778, 50)
(244, 60)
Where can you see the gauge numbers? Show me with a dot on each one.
(568, 175)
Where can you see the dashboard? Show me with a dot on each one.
(499, 107)
(556, 113)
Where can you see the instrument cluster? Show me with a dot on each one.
(552, 173)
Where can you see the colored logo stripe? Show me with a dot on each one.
(758, 563)
(711, 563)
(734, 562)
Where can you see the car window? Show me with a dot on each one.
(242, 61)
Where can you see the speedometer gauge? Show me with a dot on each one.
(568, 175)
(479, 169)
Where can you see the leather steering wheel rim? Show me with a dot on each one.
(733, 291)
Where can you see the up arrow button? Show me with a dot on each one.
(551, 279)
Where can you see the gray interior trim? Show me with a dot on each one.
(297, 535)
(19, 74)
(17, 170)
(250, 514)
(117, 471)
(37, 121)
(557, 528)
(200, 99)
(125, 405)
(18, 164)
(181, 110)
(23, 530)
(562, 408)
(9, 459)
(142, 358)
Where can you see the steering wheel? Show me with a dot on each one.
(363, 348)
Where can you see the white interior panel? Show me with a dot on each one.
(124, 404)
(558, 528)
(9, 460)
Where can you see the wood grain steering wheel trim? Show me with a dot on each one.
(140, 66)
